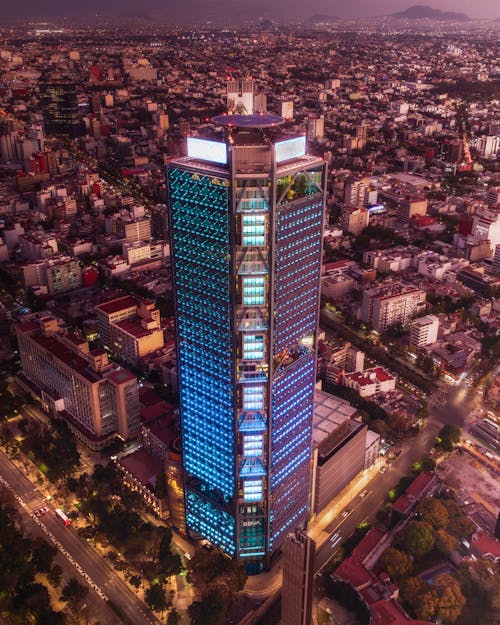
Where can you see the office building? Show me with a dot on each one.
(97, 399)
(240, 96)
(355, 193)
(60, 109)
(388, 306)
(410, 207)
(159, 222)
(339, 442)
(260, 102)
(355, 220)
(246, 230)
(424, 331)
(129, 328)
(496, 259)
(316, 128)
(298, 571)
(287, 109)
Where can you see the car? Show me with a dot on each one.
(44, 510)
(37, 513)
(187, 555)
(363, 493)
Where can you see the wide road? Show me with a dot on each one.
(365, 508)
(79, 556)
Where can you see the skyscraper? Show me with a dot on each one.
(246, 229)
(298, 570)
(60, 108)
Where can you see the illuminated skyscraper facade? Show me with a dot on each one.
(60, 109)
(246, 228)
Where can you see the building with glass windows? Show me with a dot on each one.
(246, 218)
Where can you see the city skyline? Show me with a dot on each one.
(219, 10)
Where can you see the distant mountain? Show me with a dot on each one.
(422, 11)
(322, 18)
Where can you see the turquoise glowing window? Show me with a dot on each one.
(254, 229)
(252, 490)
(252, 445)
(253, 291)
(253, 347)
(253, 398)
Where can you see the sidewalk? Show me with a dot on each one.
(316, 527)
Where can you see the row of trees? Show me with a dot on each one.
(111, 508)
(431, 537)
(218, 578)
(53, 448)
(23, 598)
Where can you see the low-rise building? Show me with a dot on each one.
(424, 331)
(370, 381)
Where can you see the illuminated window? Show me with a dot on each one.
(253, 347)
(253, 291)
(252, 490)
(253, 398)
(254, 229)
(252, 445)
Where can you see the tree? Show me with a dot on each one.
(214, 568)
(74, 593)
(448, 436)
(156, 597)
(43, 555)
(33, 597)
(416, 538)
(212, 610)
(433, 512)
(451, 600)
(459, 524)
(396, 563)
(445, 543)
(424, 464)
(421, 598)
(174, 617)
(55, 575)
(480, 583)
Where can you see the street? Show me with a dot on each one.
(80, 560)
(365, 508)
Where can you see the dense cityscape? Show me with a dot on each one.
(250, 320)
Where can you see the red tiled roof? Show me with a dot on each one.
(485, 544)
(402, 504)
(133, 326)
(115, 305)
(67, 356)
(143, 466)
(120, 376)
(419, 484)
(155, 411)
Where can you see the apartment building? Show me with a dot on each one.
(97, 399)
(129, 328)
(388, 306)
(424, 331)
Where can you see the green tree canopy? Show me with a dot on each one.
(211, 610)
(156, 597)
(416, 538)
(433, 512)
(445, 543)
(396, 563)
(74, 593)
(451, 600)
(448, 436)
(421, 598)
